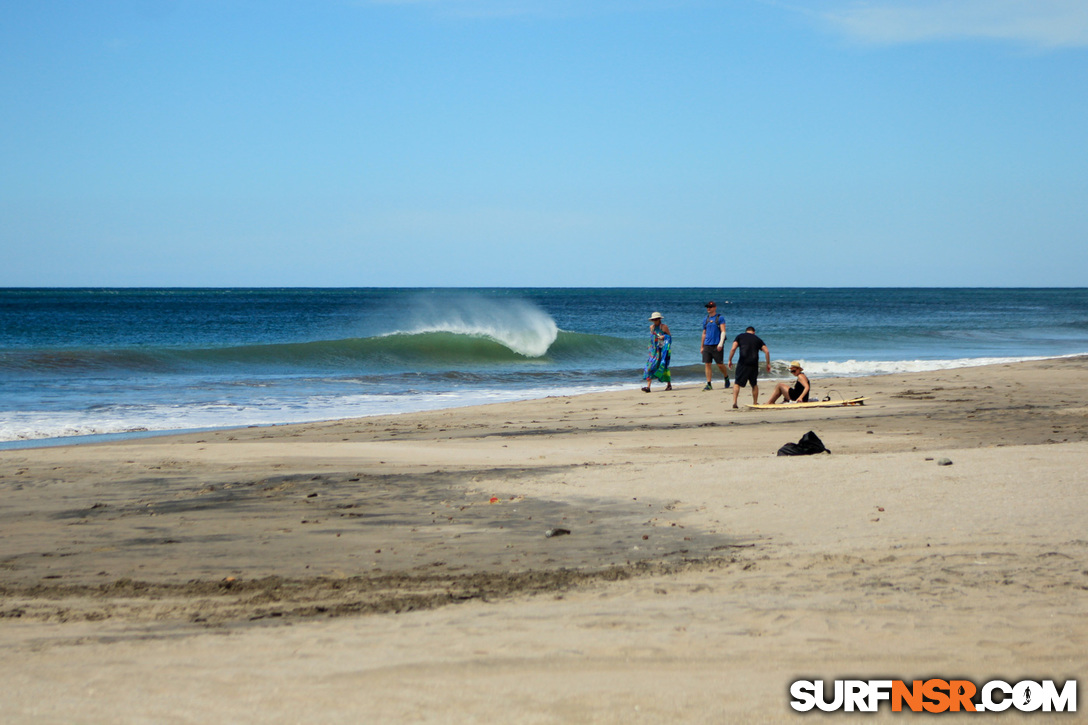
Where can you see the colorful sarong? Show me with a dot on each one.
(657, 365)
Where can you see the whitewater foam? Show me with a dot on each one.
(109, 420)
(860, 368)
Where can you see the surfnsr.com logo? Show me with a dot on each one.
(934, 695)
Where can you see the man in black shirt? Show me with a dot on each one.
(748, 362)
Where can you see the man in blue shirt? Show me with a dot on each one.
(713, 343)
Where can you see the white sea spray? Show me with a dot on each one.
(514, 323)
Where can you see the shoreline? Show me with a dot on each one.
(693, 377)
(701, 575)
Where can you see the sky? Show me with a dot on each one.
(510, 143)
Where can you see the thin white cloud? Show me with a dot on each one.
(1040, 23)
(534, 8)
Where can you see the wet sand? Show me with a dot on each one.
(398, 568)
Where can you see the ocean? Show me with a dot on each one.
(125, 362)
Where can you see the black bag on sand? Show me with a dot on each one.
(809, 444)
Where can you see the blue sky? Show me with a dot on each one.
(544, 143)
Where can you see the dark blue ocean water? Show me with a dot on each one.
(93, 361)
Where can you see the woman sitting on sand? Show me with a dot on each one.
(657, 366)
(800, 390)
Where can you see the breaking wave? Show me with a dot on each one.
(424, 350)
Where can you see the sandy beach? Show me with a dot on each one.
(397, 569)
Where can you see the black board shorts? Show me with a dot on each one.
(746, 374)
(712, 353)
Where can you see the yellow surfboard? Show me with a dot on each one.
(811, 404)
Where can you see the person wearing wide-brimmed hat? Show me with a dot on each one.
(657, 364)
(800, 390)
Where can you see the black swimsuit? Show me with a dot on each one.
(796, 390)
